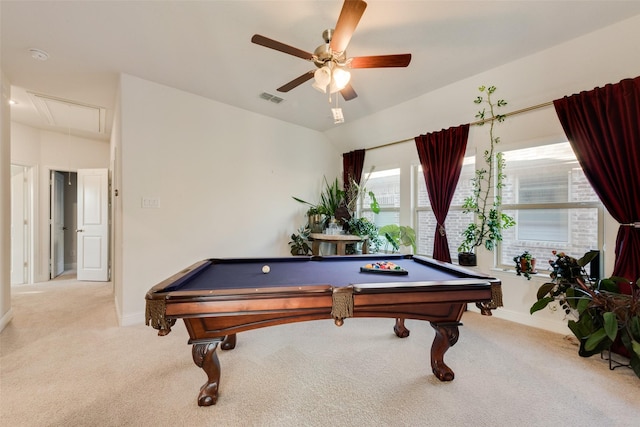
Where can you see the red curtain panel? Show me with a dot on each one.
(603, 127)
(441, 155)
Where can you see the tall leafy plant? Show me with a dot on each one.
(486, 229)
(331, 198)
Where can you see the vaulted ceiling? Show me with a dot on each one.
(204, 47)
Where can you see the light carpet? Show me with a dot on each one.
(64, 361)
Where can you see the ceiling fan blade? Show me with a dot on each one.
(272, 44)
(381, 61)
(296, 82)
(348, 93)
(350, 15)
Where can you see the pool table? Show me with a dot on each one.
(217, 298)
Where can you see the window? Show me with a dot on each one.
(552, 202)
(385, 185)
(456, 220)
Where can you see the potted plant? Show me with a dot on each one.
(486, 229)
(316, 219)
(299, 242)
(363, 227)
(604, 315)
(525, 264)
(399, 235)
(330, 199)
(333, 204)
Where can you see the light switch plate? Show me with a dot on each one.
(151, 202)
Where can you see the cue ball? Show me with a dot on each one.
(266, 269)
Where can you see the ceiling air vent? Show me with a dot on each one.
(69, 114)
(268, 97)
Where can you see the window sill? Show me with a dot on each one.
(540, 275)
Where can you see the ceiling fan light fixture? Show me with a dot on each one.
(322, 78)
(319, 88)
(340, 77)
(333, 55)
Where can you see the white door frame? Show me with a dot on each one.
(56, 224)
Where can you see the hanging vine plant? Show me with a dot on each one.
(489, 221)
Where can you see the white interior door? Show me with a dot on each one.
(93, 225)
(57, 224)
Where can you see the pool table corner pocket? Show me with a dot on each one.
(342, 306)
(155, 316)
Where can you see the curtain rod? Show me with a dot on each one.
(478, 122)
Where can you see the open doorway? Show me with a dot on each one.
(63, 222)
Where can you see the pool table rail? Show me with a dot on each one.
(228, 311)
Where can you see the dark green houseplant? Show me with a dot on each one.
(489, 221)
(363, 227)
(299, 242)
(603, 313)
(525, 264)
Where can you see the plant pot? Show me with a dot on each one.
(467, 259)
(316, 223)
(525, 268)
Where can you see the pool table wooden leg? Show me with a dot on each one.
(446, 336)
(400, 330)
(229, 342)
(205, 356)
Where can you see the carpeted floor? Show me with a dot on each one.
(65, 362)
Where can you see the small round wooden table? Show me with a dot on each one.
(340, 240)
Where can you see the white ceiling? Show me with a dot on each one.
(204, 47)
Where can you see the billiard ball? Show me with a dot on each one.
(266, 269)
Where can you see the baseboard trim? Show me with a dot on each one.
(4, 321)
(559, 327)
(129, 319)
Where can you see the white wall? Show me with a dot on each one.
(224, 178)
(44, 151)
(605, 56)
(5, 198)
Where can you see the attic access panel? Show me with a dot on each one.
(70, 114)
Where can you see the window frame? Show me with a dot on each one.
(499, 256)
(365, 211)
